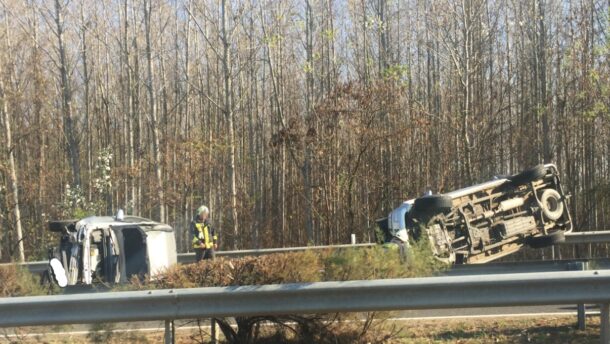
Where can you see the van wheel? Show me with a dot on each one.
(552, 207)
(542, 241)
(529, 175)
(432, 204)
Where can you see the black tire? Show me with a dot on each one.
(60, 225)
(546, 240)
(432, 204)
(529, 175)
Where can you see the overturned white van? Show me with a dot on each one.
(487, 221)
(110, 249)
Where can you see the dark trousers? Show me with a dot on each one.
(202, 253)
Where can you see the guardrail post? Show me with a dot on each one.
(169, 332)
(213, 331)
(580, 308)
(353, 237)
(582, 317)
(604, 313)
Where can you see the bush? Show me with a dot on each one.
(308, 266)
(272, 269)
(299, 267)
(16, 281)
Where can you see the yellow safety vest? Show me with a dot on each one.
(202, 234)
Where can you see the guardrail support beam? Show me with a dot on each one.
(604, 312)
(581, 311)
(582, 317)
(169, 332)
(214, 332)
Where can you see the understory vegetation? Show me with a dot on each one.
(308, 266)
(547, 330)
(16, 281)
(296, 267)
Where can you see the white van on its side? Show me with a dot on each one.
(110, 249)
(483, 222)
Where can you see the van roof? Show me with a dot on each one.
(107, 221)
(144, 223)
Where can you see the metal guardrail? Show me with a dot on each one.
(455, 270)
(39, 267)
(596, 237)
(551, 288)
(36, 268)
(527, 267)
(571, 238)
(184, 258)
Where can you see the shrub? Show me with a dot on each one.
(307, 266)
(16, 281)
(272, 269)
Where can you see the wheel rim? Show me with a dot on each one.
(552, 204)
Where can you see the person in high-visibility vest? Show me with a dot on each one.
(205, 240)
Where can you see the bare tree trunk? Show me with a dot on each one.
(365, 56)
(383, 36)
(306, 168)
(12, 169)
(86, 77)
(137, 119)
(541, 76)
(131, 192)
(40, 120)
(70, 132)
(253, 111)
(153, 112)
(228, 110)
(14, 182)
(468, 47)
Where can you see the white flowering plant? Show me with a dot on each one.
(103, 182)
(74, 204)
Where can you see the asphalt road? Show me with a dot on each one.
(496, 312)
(6, 335)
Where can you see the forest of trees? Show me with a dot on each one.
(296, 121)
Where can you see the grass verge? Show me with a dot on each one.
(547, 330)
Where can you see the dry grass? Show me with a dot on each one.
(548, 330)
(299, 267)
(17, 281)
(296, 267)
